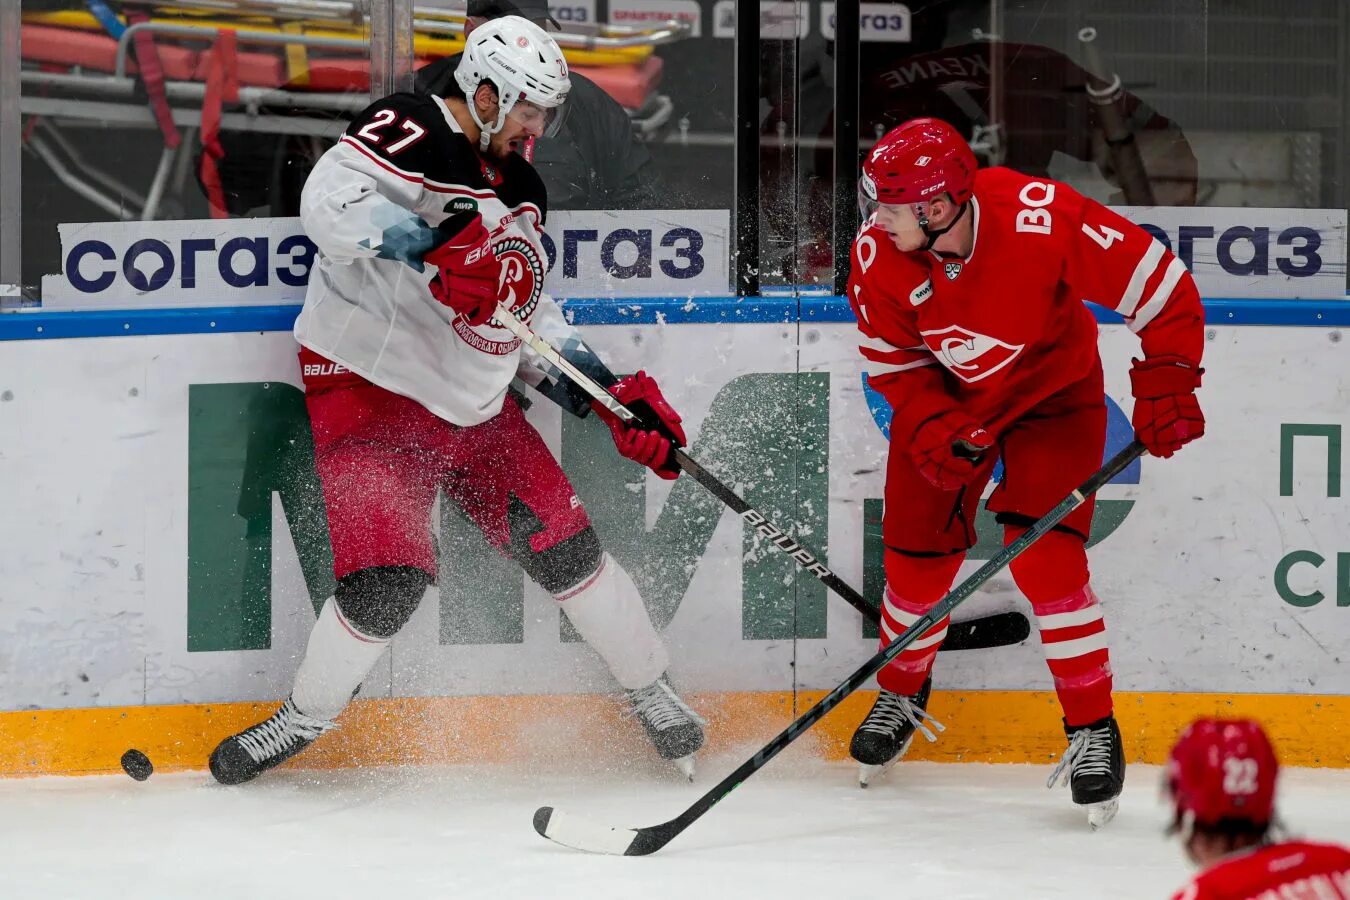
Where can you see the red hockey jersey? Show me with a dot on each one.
(1005, 328)
(1289, 871)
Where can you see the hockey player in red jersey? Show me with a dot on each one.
(1221, 781)
(968, 288)
(426, 219)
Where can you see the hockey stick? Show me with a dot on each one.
(998, 630)
(583, 834)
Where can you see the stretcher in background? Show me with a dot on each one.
(294, 70)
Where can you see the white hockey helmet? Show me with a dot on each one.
(524, 64)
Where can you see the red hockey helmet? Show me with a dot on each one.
(1222, 769)
(916, 161)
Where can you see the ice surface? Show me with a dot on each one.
(799, 829)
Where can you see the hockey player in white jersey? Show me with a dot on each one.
(425, 218)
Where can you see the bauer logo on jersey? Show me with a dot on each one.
(921, 293)
(952, 269)
(969, 355)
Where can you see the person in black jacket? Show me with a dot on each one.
(595, 161)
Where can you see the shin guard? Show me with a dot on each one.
(1053, 575)
(607, 611)
(914, 585)
(337, 660)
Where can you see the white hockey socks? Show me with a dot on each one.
(608, 613)
(337, 660)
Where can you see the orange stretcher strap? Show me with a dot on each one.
(152, 76)
(222, 86)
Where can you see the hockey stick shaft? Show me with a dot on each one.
(1009, 628)
(996, 630)
(649, 840)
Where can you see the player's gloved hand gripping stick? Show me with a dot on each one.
(998, 630)
(949, 449)
(583, 834)
(660, 435)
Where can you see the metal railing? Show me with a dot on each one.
(356, 13)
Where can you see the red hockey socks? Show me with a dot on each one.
(1053, 574)
(914, 585)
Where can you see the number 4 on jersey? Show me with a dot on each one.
(1104, 237)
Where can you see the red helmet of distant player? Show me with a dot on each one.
(1222, 770)
(915, 162)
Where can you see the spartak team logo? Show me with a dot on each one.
(522, 282)
(969, 355)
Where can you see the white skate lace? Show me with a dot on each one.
(659, 705)
(281, 732)
(894, 710)
(1088, 753)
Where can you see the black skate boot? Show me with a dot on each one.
(886, 733)
(1094, 767)
(271, 742)
(674, 729)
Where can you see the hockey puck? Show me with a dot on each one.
(137, 765)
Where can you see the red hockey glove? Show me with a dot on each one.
(948, 450)
(470, 273)
(1166, 414)
(647, 441)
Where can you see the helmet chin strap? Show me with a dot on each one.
(484, 135)
(485, 131)
(934, 233)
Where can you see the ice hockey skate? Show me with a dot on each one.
(673, 728)
(271, 742)
(1094, 767)
(885, 735)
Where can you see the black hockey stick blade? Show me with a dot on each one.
(583, 834)
(997, 630)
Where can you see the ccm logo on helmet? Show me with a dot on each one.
(1036, 219)
(869, 186)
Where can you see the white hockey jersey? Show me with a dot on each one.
(372, 205)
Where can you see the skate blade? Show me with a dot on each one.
(1101, 813)
(867, 774)
(686, 766)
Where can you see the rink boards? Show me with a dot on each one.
(164, 549)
